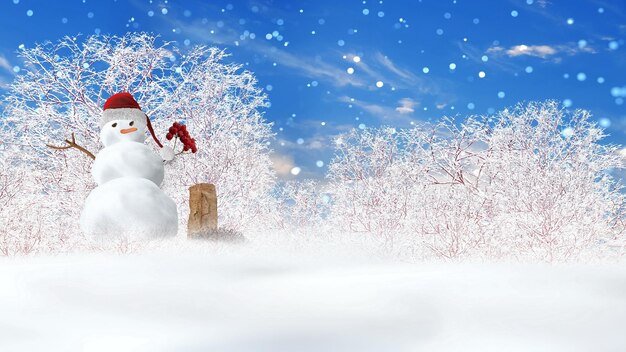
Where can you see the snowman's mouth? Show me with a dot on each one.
(128, 130)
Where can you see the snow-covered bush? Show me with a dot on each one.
(531, 182)
(370, 190)
(62, 91)
(301, 205)
(15, 235)
(549, 182)
(27, 212)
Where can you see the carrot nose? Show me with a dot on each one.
(128, 130)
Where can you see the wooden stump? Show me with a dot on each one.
(202, 210)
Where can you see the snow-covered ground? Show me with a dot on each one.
(238, 300)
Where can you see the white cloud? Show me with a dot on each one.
(542, 3)
(282, 164)
(6, 65)
(300, 65)
(406, 106)
(392, 67)
(304, 66)
(541, 51)
(380, 67)
(387, 114)
(6, 72)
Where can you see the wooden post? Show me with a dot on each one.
(202, 210)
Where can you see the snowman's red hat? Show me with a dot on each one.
(122, 106)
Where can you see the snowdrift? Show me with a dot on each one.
(269, 302)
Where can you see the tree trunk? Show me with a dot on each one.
(202, 210)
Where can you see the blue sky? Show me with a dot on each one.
(329, 66)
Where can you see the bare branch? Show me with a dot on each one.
(73, 144)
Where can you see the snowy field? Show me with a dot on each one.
(245, 300)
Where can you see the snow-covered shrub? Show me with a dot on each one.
(531, 182)
(370, 190)
(62, 91)
(301, 205)
(29, 217)
(549, 181)
(15, 235)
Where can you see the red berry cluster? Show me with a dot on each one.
(180, 131)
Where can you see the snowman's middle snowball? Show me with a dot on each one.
(128, 159)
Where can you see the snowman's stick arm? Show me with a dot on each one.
(73, 144)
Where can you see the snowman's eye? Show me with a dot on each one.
(131, 123)
(114, 125)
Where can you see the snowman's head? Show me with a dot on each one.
(116, 131)
(123, 121)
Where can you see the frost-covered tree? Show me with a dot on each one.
(301, 205)
(531, 182)
(370, 192)
(549, 181)
(61, 92)
(29, 219)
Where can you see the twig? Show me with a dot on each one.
(72, 144)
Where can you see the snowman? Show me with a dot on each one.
(128, 201)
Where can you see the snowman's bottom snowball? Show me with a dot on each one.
(129, 207)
